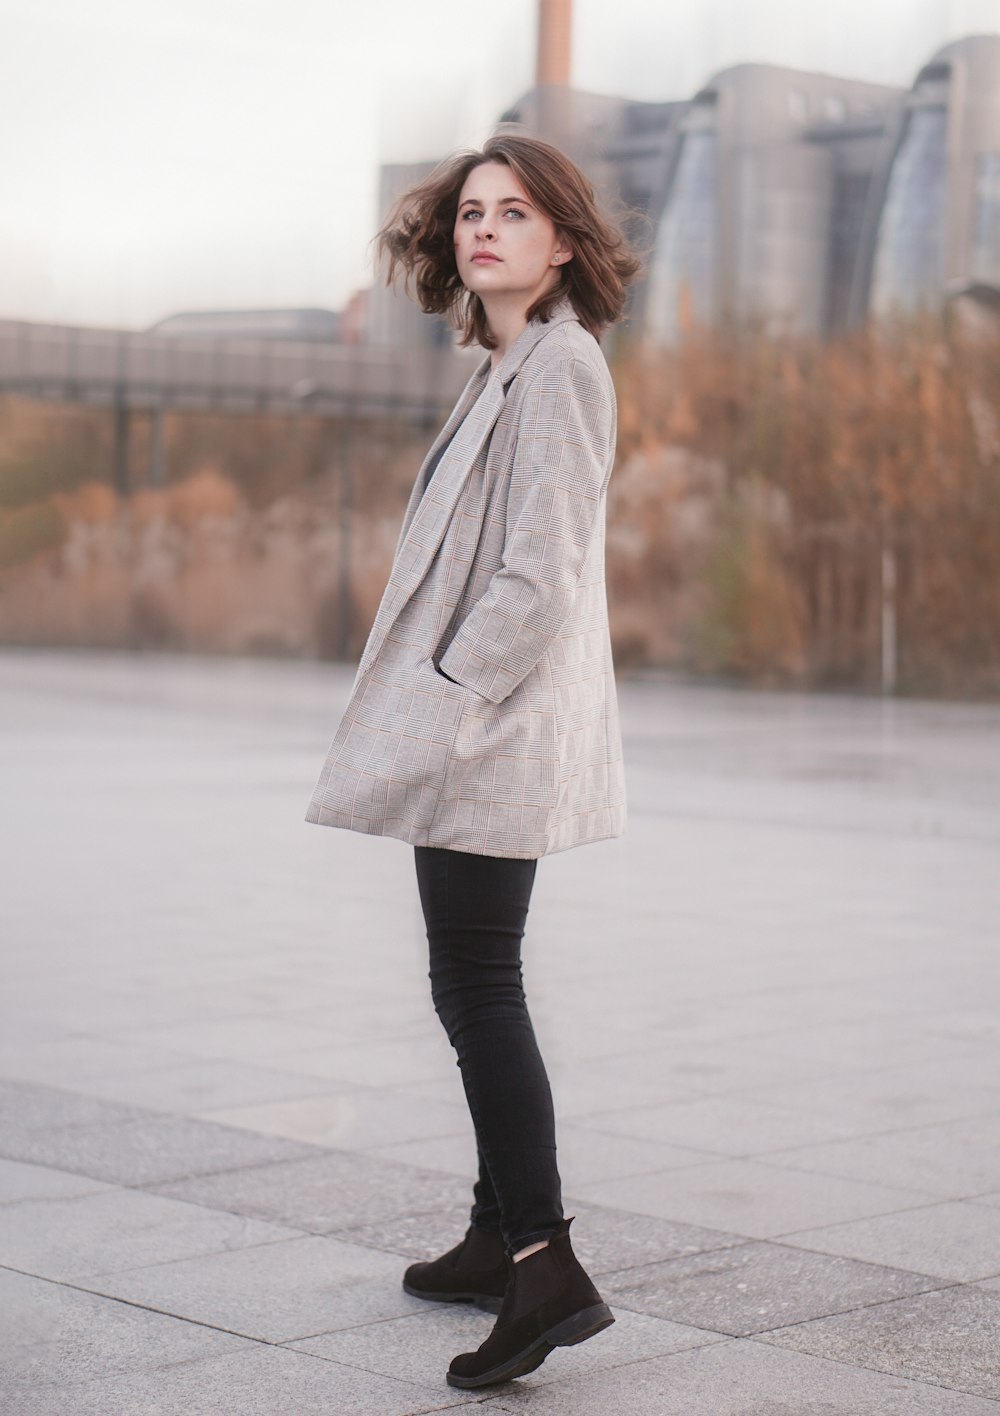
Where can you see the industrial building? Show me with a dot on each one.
(936, 201)
(791, 200)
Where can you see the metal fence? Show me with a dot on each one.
(130, 370)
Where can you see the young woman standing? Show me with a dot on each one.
(482, 726)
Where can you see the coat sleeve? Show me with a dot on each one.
(561, 465)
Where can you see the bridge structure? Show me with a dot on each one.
(133, 373)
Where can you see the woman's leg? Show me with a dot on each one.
(475, 909)
(485, 1205)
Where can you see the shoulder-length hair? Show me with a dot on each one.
(418, 239)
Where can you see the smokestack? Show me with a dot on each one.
(555, 19)
(552, 67)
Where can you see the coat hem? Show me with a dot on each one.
(414, 836)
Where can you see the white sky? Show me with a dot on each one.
(223, 153)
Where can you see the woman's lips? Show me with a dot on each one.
(484, 258)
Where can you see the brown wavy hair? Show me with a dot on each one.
(417, 238)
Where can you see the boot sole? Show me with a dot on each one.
(568, 1333)
(486, 1301)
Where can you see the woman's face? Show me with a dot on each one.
(504, 245)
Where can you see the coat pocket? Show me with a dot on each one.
(388, 762)
(506, 754)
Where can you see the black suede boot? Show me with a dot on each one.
(550, 1302)
(475, 1271)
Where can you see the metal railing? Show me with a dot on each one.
(131, 370)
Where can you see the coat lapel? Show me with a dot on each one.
(429, 512)
(466, 399)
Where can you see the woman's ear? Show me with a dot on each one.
(562, 253)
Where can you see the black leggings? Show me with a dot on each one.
(475, 907)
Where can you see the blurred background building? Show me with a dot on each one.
(795, 200)
(772, 198)
(936, 207)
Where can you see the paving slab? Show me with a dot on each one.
(352, 1118)
(751, 1288)
(22, 1181)
(605, 1240)
(28, 1106)
(581, 1089)
(256, 1040)
(950, 1161)
(681, 1073)
(742, 1377)
(206, 1085)
(955, 1239)
(55, 1336)
(144, 1152)
(731, 1125)
(254, 1381)
(950, 1337)
(274, 1292)
(421, 1346)
(420, 1054)
(586, 1154)
(893, 1098)
(92, 1234)
(750, 1197)
(863, 1046)
(321, 1193)
(55, 1056)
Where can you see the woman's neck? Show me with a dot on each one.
(507, 317)
(506, 321)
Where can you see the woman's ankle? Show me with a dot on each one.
(531, 1249)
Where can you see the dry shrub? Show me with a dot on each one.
(92, 504)
(205, 495)
(837, 459)
(760, 486)
(26, 531)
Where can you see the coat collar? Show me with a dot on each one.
(535, 330)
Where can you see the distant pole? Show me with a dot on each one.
(888, 619)
(122, 419)
(342, 639)
(122, 414)
(157, 458)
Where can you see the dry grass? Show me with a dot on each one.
(827, 456)
(758, 484)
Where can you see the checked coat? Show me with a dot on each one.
(498, 578)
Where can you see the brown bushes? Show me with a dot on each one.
(844, 467)
(207, 562)
(767, 494)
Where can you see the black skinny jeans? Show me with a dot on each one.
(475, 908)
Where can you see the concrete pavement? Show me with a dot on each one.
(229, 1117)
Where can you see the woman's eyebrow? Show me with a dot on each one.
(504, 201)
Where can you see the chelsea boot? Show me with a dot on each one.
(475, 1271)
(549, 1302)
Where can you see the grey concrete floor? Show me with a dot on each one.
(770, 1013)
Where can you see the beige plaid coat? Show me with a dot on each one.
(498, 577)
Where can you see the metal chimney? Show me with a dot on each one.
(552, 69)
(555, 20)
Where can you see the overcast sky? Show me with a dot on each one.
(223, 153)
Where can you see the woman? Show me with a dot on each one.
(482, 726)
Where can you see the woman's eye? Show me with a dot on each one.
(511, 211)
